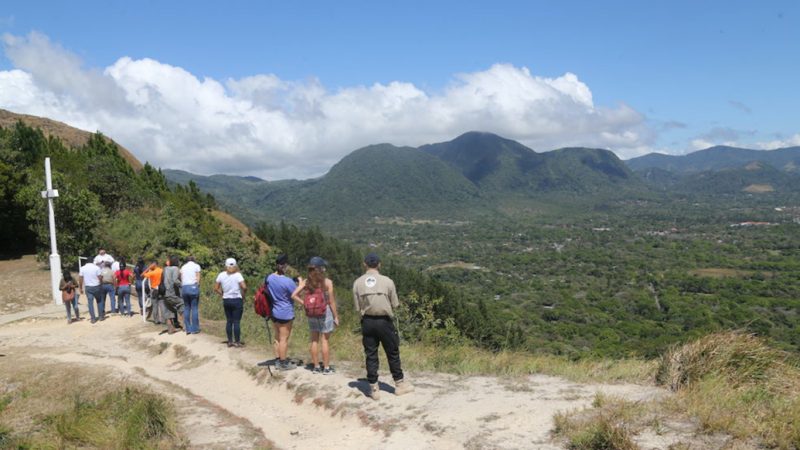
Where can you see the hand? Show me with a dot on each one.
(336, 321)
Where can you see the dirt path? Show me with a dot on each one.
(225, 400)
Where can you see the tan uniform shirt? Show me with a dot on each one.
(375, 295)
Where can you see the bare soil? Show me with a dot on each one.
(225, 400)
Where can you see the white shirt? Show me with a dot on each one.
(90, 274)
(230, 284)
(115, 266)
(103, 258)
(189, 273)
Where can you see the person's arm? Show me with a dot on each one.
(243, 287)
(393, 296)
(356, 308)
(332, 301)
(80, 282)
(218, 288)
(296, 294)
(116, 280)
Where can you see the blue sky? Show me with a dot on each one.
(304, 81)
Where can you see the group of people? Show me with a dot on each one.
(174, 290)
(166, 295)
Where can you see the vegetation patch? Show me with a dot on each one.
(735, 383)
(88, 409)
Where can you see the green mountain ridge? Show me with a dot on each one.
(472, 174)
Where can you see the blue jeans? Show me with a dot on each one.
(139, 293)
(191, 303)
(108, 290)
(96, 293)
(73, 307)
(124, 297)
(234, 308)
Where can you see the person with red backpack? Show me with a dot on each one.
(315, 293)
(280, 289)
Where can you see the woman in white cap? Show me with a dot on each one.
(231, 286)
(315, 293)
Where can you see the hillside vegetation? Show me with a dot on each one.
(103, 201)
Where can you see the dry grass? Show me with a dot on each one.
(49, 405)
(610, 424)
(734, 383)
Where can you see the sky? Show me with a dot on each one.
(284, 89)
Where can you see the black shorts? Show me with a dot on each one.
(281, 321)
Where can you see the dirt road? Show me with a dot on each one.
(225, 400)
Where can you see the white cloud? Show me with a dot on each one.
(792, 141)
(263, 125)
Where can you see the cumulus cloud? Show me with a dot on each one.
(793, 141)
(266, 126)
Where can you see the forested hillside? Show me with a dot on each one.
(103, 201)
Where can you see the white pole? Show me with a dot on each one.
(145, 285)
(55, 259)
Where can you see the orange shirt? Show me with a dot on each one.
(154, 275)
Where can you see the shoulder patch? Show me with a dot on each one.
(370, 281)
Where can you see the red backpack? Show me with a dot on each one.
(316, 303)
(263, 301)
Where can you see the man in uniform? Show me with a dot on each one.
(375, 298)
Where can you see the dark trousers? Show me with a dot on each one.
(380, 330)
(233, 313)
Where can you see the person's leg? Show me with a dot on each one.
(139, 295)
(195, 313)
(276, 332)
(124, 300)
(390, 341)
(68, 306)
(237, 319)
(112, 295)
(283, 333)
(229, 308)
(90, 294)
(187, 308)
(370, 341)
(101, 303)
(75, 305)
(314, 349)
(326, 354)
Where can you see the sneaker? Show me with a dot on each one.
(374, 391)
(230, 344)
(286, 365)
(327, 371)
(94, 320)
(316, 371)
(402, 387)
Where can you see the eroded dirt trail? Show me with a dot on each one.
(226, 401)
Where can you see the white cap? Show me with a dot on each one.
(230, 262)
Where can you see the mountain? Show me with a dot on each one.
(496, 164)
(71, 136)
(474, 173)
(718, 158)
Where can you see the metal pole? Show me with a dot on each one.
(55, 259)
(145, 285)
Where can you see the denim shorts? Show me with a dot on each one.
(321, 324)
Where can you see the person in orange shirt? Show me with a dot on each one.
(153, 274)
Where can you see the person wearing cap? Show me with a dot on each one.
(319, 327)
(375, 298)
(280, 289)
(231, 286)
